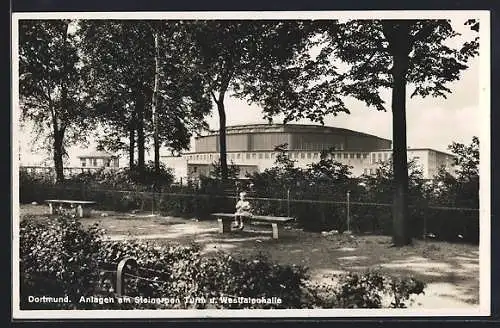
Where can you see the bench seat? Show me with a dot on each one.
(225, 219)
(81, 206)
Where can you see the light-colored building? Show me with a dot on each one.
(252, 149)
(99, 159)
(429, 160)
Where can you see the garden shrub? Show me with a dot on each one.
(126, 178)
(77, 262)
(370, 209)
(31, 185)
(370, 289)
(446, 225)
(178, 272)
(199, 206)
(168, 270)
(402, 289)
(123, 201)
(57, 258)
(326, 180)
(257, 277)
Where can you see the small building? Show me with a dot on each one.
(99, 159)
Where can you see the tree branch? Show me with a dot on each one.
(423, 33)
(214, 96)
(388, 30)
(365, 64)
(397, 34)
(225, 84)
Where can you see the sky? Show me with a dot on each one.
(431, 122)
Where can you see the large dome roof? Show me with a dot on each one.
(291, 128)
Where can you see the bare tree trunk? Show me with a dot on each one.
(58, 154)
(400, 162)
(59, 127)
(400, 50)
(222, 140)
(131, 147)
(156, 140)
(140, 131)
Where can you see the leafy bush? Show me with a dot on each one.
(257, 278)
(329, 181)
(76, 262)
(30, 183)
(126, 178)
(58, 258)
(402, 289)
(326, 180)
(61, 258)
(168, 270)
(179, 272)
(370, 289)
(193, 205)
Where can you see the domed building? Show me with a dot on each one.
(252, 149)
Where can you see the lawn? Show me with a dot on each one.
(451, 271)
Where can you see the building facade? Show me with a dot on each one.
(252, 149)
(99, 159)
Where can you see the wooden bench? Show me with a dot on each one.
(225, 220)
(80, 206)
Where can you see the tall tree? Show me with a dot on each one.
(359, 58)
(51, 91)
(117, 62)
(154, 101)
(179, 100)
(462, 188)
(231, 56)
(467, 173)
(147, 86)
(466, 159)
(418, 54)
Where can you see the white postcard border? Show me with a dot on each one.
(485, 180)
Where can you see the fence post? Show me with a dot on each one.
(288, 201)
(153, 200)
(123, 265)
(82, 191)
(348, 217)
(425, 224)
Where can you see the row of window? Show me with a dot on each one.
(369, 171)
(262, 155)
(94, 162)
(366, 171)
(377, 157)
(317, 146)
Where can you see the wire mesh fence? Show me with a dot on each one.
(451, 223)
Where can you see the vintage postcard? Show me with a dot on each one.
(251, 164)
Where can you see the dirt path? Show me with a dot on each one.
(451, 271)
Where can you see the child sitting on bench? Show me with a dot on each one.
(243, 209)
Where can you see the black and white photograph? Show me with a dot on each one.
(251, 164)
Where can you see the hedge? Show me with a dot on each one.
(460, 225)
(323, 212)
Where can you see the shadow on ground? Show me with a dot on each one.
(451, 271)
